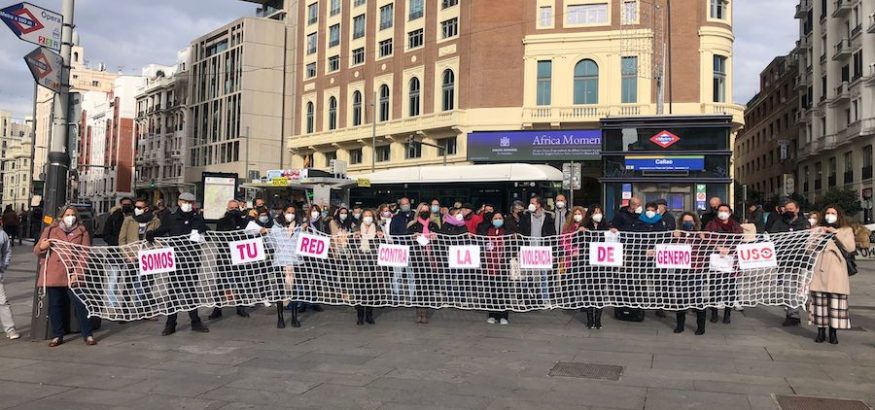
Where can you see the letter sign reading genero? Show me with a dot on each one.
(756, 255)
(464, 257)
(153, 261)
(246, 251)
(396, 256)
(536, 257)
(565, 145)
(674, 256)
(606, 254)
(313, 246)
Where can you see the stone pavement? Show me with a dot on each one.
(456, 361)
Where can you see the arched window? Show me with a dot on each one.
(449, 89)
(356, 108)
(332, 113)
(586, 82)
(309, 118)
(414, 97)
(384, 102)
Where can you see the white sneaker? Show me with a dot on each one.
(503, 321)
(491, 321)
(12, 334)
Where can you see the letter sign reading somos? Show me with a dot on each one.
(247, 251)
(154, 261)
(674, 256)
(606, 254)
(395, 256)
(756, 255)
(464, 257)
(536, 257)
(313, 246)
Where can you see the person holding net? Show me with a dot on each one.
(650, 222)
(133, 230)
(723, 287)
(496, 283)
(791, 220)
(284, 239)
(537, 224)
(830, 284)
(595, 279)
(572, 259)
(364, 278)
(233, 220)
(424, 232)
(260, 273)
(456, 233)
(691, 285)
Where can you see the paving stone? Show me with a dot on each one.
(665, 399)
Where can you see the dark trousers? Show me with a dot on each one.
(58, 298)
(192, 314)
(184, 289)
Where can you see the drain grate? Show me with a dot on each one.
(587, 371)
(819, 403)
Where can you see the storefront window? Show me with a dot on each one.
(639, 139)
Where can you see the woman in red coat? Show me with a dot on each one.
(724, 287)
(54, 275)
(496, 278)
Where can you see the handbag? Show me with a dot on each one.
(850, 259)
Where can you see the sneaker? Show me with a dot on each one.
(491, 321)
(12, 334)
(503, 322)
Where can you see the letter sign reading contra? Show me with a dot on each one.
(313, 246)
(756, 255)
(606, 254)
(154, 261)
(247, 251)
(396, 256)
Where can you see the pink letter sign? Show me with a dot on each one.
(756, 255)
(312, 245)
(154, 261)
(606, 254)
(395, 256)
(536, 257)
(674, 256)
(246, 251)
(464, 257)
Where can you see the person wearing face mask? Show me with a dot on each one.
(561, 214)
(775, 215)
(627, 215)
(814, 219)
(690, 287)
(512, 219)
(422, 226)
(711, 212)
(356, 216)
(472, 219)
(790, 221)
(257, 204)
(456, 234)
(233, 220)
(650, 220)
(384, 218)
(261, 225)
(662, 209)
(723, 287)
(435, 209)
(496, 276)
(596, 279)
(572, 256)
(181, 228)
(535, 224)
(830, 285)
(399, 235)
(316, 221)
(366, 240)
(113, 225)
(454, 223)
(341, 223)
(53, 275)
(284, 235)
(133, 230)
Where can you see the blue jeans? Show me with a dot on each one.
(57, 298)
(396, 283)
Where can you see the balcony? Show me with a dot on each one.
(871, 28)
(855, 32)
(867, 172)
(842, 8)
(869, 78)
(583, 113)
(842, 94)
(802, 8)
(849, 134)
(842, 49)
(801, 116)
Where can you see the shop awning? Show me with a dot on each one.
(465, 173)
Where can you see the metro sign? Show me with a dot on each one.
(34, 24)
(21, 20)
(46, 66)
(664, 139)
(41, 66)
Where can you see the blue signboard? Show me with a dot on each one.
(665, 162)
(525, 146)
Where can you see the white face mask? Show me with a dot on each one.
(650, 214)
(263, 219)
(314, 215)
(560, 204)
(597, 217)
(830, 218)
(138, 211)
(185, 207)
(368, 220)
(387, 214)
(578, 218)
(532, 208)
(342, 217)
(290, 217)
(356, 215)
(639, 209)
(723, 215)
(813, 222)
(459, 217)
(69, 220)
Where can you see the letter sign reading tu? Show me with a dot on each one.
(247, 251)
(34, 24)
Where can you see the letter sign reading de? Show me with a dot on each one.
(247, 251)
(464, 257)
(154, 261)
(756, 255)
(606, 254)
(313, 246)
(395, 256)
(673, 256)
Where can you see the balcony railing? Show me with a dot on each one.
(842, 49)
(842, 92)
(583, 113)
(802, 8)
(871, 28)
(842, 7)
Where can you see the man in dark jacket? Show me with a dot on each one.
(667, 216)
(113, 225)
(537, 222)
(399, 233)
(791, 220)
(233, 220)
(183, 281)
(561, 214)
(627, 215)
(398, 226)
(711, 213)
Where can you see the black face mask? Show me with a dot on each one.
(424, 215)
(127, 209)
(234, 212)
(789, 215)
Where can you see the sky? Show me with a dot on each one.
(127, 35)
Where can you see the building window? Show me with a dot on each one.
(311, 43)
(415, 39)
(412, 150)
(358, 26)
(330, 156)
(719, 79)
(357, 3)
(384, 153)
(867, 162)
(448, 3)
(332, 113)
(310, 115)
(849, 167)
(335, 7)
(356, 108)
(630, 11)
(414, 97)
(358, 56)
(415, 10)
(386, 48)
(311, 70)
(355, 156)
(384, 103)
(312, 13)
(545, 16)
(580, 14)
(333, 63)
(448, 87)
(387, 12)
(718, 9)
(449, 145)
(629, 86)
(450, 28)
(334, 35)
(586, 82)
(545, 80)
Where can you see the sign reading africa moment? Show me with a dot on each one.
(536, 145)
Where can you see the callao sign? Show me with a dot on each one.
(34, 24)
(664, 139)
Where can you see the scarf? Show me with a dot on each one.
(650, 221)
(449, 219)
(424, 223)
(65, 228)
(144, 218)
(368, 232)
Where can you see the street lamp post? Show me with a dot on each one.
(374, 133)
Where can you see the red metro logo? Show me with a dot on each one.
(664, 139)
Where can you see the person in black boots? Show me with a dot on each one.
(365, 240)
(594, 221)
(284, 235)
(690, 288)
(233, 220)
(182, 222)
(724, 287)
(791, 220)
(830, 285)
(648, 222)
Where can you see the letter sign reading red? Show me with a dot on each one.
(314, 246)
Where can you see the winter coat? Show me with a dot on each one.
(52, 271)
(5, 252)
(130, 230)
(232, 222)
(177, 224)
(781, 224)
(112, 228)
(398, 226)
(548, 229)
(473, 222)
(450, 229)
(624, 219)
(831, 270)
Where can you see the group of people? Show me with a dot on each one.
(364, 228)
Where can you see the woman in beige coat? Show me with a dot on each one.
(830, 286)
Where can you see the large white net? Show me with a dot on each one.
(666, 270)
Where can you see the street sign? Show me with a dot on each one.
(46, 67)
(34, 24)
(571, 175)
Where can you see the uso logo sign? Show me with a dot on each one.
(757, 255)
